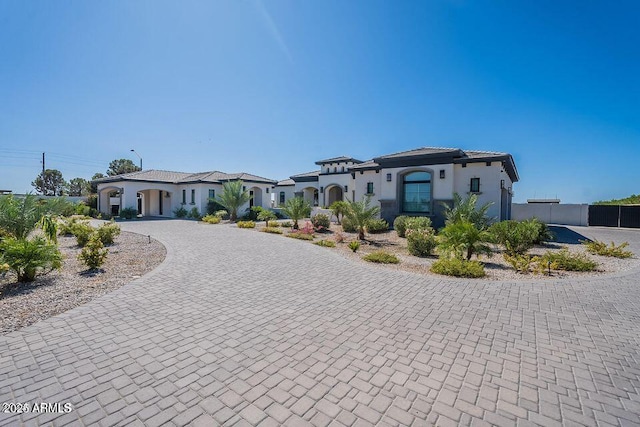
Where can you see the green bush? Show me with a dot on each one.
(301, 236)
(325, 243)
(517, 237)
(194, 213)
(130, 213)
(211, 219)
(82, 209)
(272, 230)
(421, 243)
(567, 261)
(82, 231)
(180, 212)
(93, 254)
(66, 225)
(348, 226)
(458, 268)
(273, 224)
(214, 207)
(222, 214)
(600, 248)
(286, 224)
(28, 258)
(544, 233)
(400, 225)
(377, 226)
(354, 246)
(266, 215)
(246, 224)
(107, 233)
(522, 263)
(381, 257)
(417, 223)
(321, 222)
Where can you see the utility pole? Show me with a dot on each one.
(42, 180)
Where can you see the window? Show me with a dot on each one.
(475, 185)
(267, 190)
(335, 169)
(342, 168)
(184, 197)
(193, 197)
(416, 192)
(282, 197)
(212, 193)
(369, 187)
(388, 177)
(442, 173)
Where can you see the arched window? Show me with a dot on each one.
(416, 192)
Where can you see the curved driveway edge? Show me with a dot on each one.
(245, 328)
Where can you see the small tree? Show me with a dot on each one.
(360, 213)
(93, 254)
(296, 209)
(338, 209)
(121, 166)
(266, 215)
(466, 210)
(50, 183)
(463, 239)
(233, 196)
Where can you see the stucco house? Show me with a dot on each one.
(159, 193)
(414, 182)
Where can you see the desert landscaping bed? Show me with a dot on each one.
(23, 304)
(496, 267)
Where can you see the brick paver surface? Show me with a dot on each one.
(244, 328)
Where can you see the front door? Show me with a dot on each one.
(160, 205)
(139, 204)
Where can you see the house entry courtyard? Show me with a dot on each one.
(243, 328)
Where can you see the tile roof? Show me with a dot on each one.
(422, 151)
(183, 177)
(337, 160)
(306, 174)
(285, 182)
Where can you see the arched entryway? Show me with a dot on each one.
(310, 194)
(333, 193)
(110, 200)
(255, 194)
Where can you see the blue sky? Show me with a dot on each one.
(270, 87)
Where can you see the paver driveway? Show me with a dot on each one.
(239, 328)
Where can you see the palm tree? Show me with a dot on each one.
(360, 213)
(233, 196)
(338, 208)
(20, 216)
(296, 209)
(466, 210)
(463, 239)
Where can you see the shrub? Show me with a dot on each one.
(194, 213)
(338, 237)
(601, 248)
(211, 219)
(522, 263)
(400, 225)
(463, 240)
(516, 237)
(246, 224)
(338, 209)
(567, 261)
(107, 233)
(377, 226)
(307, 229)
(417, 223)
(93, 254)
(130, 213)
(222, 214)
(82, 231)
(214, 207)
(348, 226)
(421, 243)
(273, 224)
(272, 230)
(354, 246)
(321, 222)
(301, 236)
(325, 243)
(381, 257)
(458, 268)
(544, 234)
(286, 224)
(82, 209)
(28, 258)
(65, 227)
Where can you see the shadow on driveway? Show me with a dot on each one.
(567, 236)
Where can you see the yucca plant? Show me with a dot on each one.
(466, 210)
(463, 239)
(360, 213)
(296, 209)
(233, 196)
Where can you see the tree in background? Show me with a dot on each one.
(121, 166)
(50, 183)
(93, 188)
(78, 187)
(634, 199)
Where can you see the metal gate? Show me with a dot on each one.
(614, 216)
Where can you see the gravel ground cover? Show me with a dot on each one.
(496, 267)
(23, 304)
